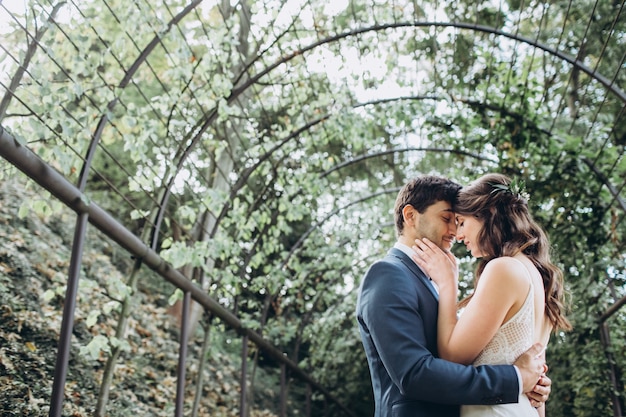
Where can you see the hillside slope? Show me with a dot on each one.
(34, 260)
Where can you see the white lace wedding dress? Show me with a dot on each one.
(512, 339)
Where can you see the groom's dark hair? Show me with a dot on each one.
(421, 193)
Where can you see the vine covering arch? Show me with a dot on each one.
(234, 129)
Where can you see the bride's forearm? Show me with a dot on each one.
(446, 322)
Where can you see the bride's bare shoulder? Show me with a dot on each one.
(506, 269)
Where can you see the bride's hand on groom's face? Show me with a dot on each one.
(440, 265)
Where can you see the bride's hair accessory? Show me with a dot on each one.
(517, 187)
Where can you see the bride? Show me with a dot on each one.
(518, 292)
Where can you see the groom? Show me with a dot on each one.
(397, 316)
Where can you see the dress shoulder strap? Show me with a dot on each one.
(530, 278)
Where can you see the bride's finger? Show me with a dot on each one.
(430, 244)
(421, 244)
(420, 248)
(451, 256)
(419, 260)
(420, 254)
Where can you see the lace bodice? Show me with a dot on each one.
(512, 338)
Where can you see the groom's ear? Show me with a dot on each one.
(410, 215)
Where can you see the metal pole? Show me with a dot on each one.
(283, 390)
(308, 401)
(69, 305)
(244, 377)
(182, 356)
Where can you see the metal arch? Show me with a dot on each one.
(204, 122)
(306, 234)
(621, 94)
(401, 150)
(609, 85)
(209, 117)
(246, 173)
(461, 25)
(614, 191)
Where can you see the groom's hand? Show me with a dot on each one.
(540, 393)
(531, 365)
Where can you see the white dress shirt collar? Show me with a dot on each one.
(410, 252)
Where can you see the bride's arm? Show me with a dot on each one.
(461, 340)
(447, 321)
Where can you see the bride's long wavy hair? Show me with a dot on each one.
(508, 230)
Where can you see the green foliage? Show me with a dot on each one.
(266, 167)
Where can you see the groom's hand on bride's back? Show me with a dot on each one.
(540, 393)
(531, 367)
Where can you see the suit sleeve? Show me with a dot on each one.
(390, 311)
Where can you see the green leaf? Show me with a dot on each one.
(99, 344)
(92, 318)
(175, 297)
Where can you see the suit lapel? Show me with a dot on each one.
(416, 270)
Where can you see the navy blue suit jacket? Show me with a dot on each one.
(397, 316)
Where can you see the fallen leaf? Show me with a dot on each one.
(34, 401)
(5, 361)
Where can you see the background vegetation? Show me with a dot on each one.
(258, 147)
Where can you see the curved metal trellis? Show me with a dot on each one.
(244, 81)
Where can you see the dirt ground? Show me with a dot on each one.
(34, 260)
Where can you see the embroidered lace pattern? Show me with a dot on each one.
(512, 338)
